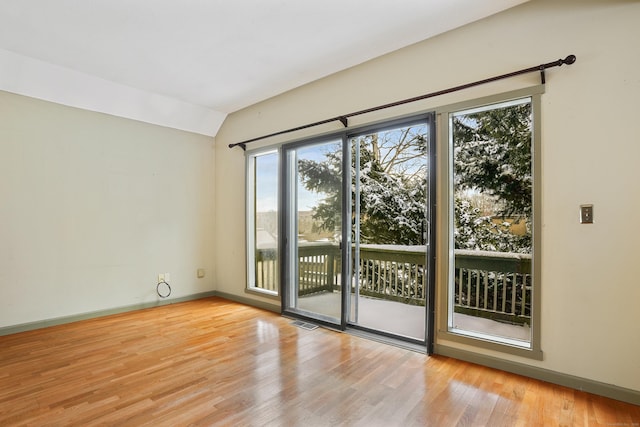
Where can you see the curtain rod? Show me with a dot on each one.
(345, 117)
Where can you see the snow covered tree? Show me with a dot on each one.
(475, 231)
(392, 186)
(492, 154)
(492, 158)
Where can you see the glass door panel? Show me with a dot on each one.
(389, 270)
(313, 176)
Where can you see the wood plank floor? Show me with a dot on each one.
(215, 362)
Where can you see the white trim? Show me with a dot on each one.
(493, 338)
(494, 106)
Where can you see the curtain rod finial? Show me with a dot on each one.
(569, 59)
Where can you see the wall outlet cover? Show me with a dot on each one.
(586, 214)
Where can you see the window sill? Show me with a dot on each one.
(503, 345)
(263, 293)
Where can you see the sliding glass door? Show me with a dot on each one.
(357, 229)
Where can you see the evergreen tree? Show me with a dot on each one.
(492, 153)
(392, 186)
(492, 157)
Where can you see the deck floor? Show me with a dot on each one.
(403, 319)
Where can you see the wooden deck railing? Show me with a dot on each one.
(393, 272)
(318, 267)
(318, 263)
(493, 285)
(266, 269)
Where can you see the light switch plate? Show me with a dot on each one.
(586, 214)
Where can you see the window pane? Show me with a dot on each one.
(491, 281)
(263, 249)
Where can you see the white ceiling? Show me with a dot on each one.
(188, 63)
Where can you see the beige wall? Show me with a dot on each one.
(93, 207)
(590, 146)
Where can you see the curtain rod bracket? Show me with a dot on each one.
(543, 79)
(344, 121)
(242, 145)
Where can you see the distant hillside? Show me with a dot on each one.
(268, 221)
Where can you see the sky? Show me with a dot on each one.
(267, 178)
(267, 182)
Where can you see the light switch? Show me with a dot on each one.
(586, 214)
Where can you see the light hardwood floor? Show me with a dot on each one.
(215, 362)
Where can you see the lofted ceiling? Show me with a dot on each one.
(186, 64)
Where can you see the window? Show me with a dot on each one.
(262, 222)
(492, 288)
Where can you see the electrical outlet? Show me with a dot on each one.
(200, 273)
(586, 214)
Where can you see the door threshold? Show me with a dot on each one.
(357, 332)
(396, 342)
